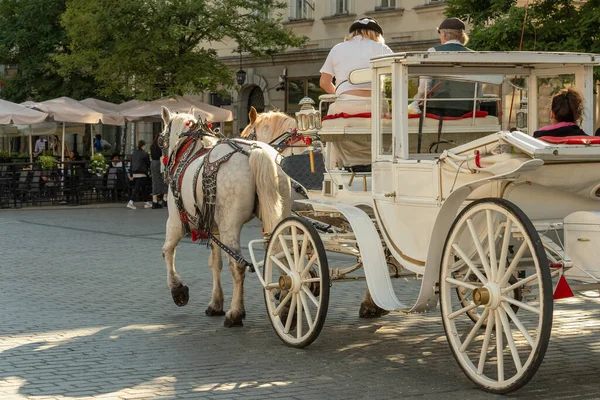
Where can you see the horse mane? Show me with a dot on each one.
(276, 121)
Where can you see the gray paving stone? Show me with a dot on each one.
(86, 313)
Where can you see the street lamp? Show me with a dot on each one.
(240, 76)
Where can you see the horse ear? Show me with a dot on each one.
(166, 115)
(252, 114)
(192, 110)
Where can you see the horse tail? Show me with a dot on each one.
(270, 203)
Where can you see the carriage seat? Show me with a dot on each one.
(581, 139)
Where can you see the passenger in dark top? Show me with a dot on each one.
(567, 108)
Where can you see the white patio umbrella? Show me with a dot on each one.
(16, 114)
(12, 113)
(110, 111)
(153, 109)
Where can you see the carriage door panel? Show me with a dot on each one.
(408, 216)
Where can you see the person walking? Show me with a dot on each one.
(140, 164)
(159, 186)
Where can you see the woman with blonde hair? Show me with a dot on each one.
(365, 41)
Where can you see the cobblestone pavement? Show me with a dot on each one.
(86, 313)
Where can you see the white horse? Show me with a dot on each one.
(266, 128)
(248, 185)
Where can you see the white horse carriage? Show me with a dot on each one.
(489, 219)
(492, 221)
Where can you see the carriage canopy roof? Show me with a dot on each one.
(526, 59)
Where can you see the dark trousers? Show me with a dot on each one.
(139, 189)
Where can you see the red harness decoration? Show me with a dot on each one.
(582, 139)
(478, 114)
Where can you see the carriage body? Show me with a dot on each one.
(490, 220)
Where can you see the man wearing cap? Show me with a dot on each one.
(365, 41)
(453, 38)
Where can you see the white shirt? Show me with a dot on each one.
(40, 146)
(347, 56)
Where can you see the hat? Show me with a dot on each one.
(452, 23)
(366, 23)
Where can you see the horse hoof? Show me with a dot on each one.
(181, 295)
(230, 323)
(366, 312)
(211, 312)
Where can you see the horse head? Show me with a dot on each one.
(269, 126)
(176, 126)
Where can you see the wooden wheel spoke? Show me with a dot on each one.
(309, 265)
(290, 316)
(295, 248)
(462, 311)
(482, 256)
(281, 265)
(470, 263)
(310, 295)
(499, 347)
(311, 280)
(522, 305)
(286, 251)
(282, 304)
(474, 330)
(309, 320)
(486, 342)
(461, 283)
(509, 338)
(491, 245)
(505, 246)
(302, 252)
(513, 264)
(298, 316)
(520, 283)
(518, 323)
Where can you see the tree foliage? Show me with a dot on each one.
(31, 37)
(551, 25)
(149, 48)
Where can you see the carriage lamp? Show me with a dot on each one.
(308, 118)
(522, 114)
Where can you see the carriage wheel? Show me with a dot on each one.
(297, 277)
(502, 351)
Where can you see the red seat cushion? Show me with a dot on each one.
(583, 139)
(478, 114)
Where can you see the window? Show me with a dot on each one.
(301, 9)
(341, 7)
(383, 4)
(297, 88)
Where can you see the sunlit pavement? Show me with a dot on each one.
(86, 313)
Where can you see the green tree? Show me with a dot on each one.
(31, 37)
(551, 25)
(150, 48)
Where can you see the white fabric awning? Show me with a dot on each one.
(153, 109)
(65, 109)
(110, 112)
(12, 113)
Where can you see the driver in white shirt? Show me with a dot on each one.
(365, 41)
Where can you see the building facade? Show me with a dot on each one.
(280, 82)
